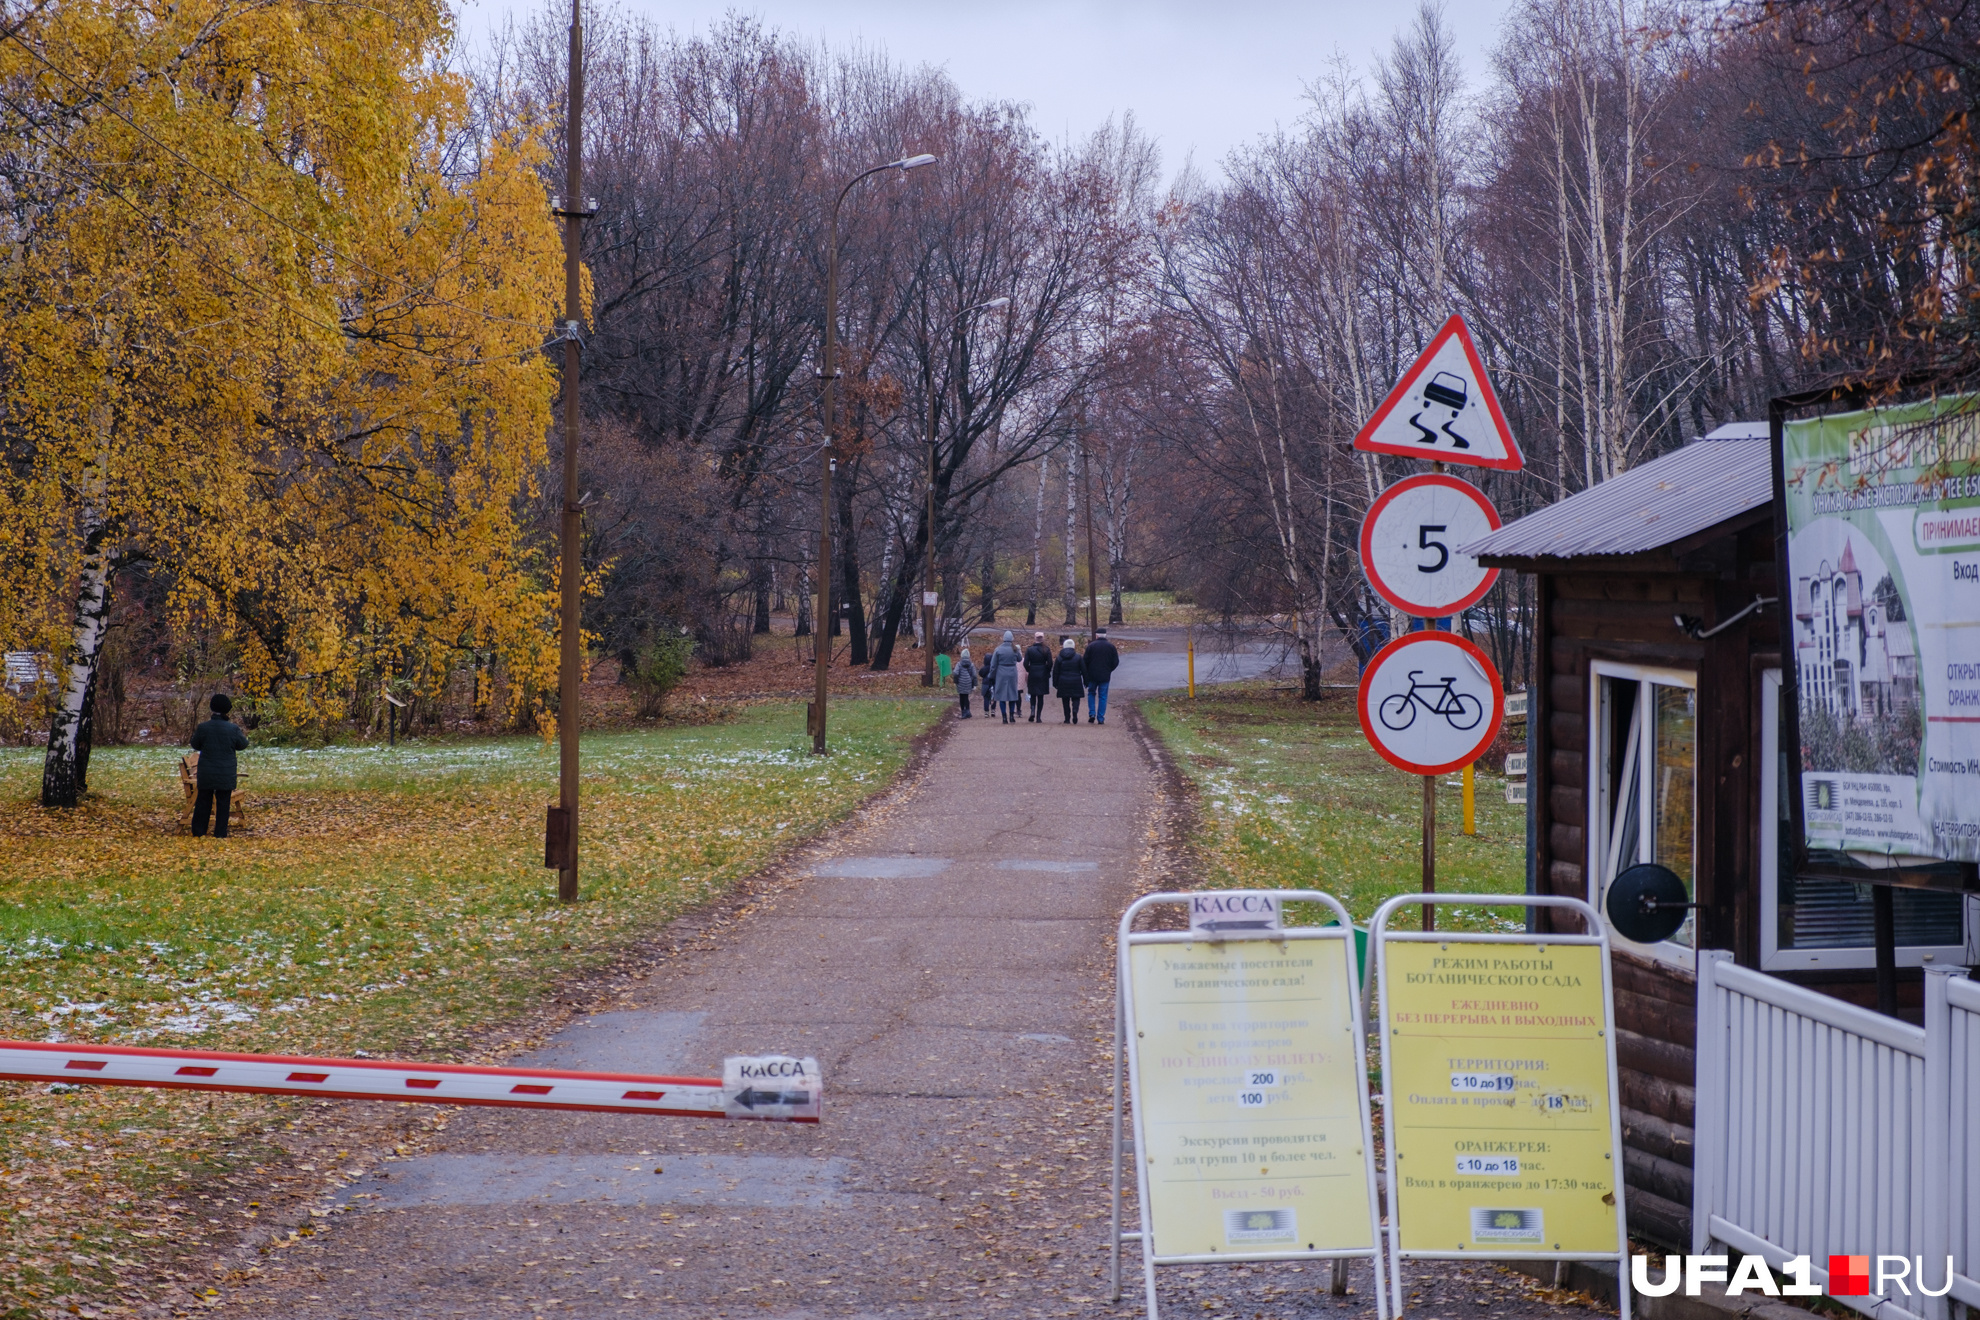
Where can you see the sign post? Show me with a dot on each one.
(1244, 1046)
(1504, 1138)
(1443, 410)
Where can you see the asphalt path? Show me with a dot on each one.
(1162, 663)
(947, 959)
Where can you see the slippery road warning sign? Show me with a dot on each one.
(1444, 408)
(1430, 702)
(1409, 540)
(379, 1079)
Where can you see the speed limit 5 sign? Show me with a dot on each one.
(1409, 545)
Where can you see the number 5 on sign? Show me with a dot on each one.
(1410, 540)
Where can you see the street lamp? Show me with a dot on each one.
(928, 563)
(829, 369)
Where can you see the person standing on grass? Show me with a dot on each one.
(1037, 675)
(965, 681)
(1101, 662)
(216, 740)
(1005, 663)
(1067, 678)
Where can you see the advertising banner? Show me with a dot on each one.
(1883, 575)
(1500, 1117)
(1247, 1084)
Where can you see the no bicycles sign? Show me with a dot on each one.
(1430, 702)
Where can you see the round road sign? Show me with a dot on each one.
(1431, 702)
(1410, 540)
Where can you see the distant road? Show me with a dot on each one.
(1164, 663)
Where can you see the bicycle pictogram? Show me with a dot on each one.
(1460, 710)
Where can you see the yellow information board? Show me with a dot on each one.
(1500, 1118)
(1248, 1090)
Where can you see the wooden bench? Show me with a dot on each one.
(189, 786)
(26, 669)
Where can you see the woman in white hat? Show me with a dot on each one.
(1067, 678)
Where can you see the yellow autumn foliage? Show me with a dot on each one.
(267, 337)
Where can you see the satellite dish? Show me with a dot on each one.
(1647, 903)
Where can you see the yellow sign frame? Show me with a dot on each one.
(1541, 1130)
(1318, 1084)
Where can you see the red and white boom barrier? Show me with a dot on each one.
(772, 1087)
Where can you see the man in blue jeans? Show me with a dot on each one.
(1101, 662)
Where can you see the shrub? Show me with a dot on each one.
(655, 668)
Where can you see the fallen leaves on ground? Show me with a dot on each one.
(386, 900)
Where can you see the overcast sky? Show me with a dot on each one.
(1200, 76)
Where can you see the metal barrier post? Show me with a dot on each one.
(1114, 1213)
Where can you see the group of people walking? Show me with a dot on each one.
(1069, 673)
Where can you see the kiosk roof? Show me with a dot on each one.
(1714, 478)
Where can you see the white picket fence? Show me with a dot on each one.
(1952, 1070)
(1824, 1128)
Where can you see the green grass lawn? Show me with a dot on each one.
(386, 900)
(1292, 796)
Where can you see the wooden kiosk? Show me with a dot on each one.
(1655, 732)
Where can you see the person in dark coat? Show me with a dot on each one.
(1037, 675)
(216, 740)
(1067, 678)
(1099, 666)
(965, 680)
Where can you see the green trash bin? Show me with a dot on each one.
(1360, 953)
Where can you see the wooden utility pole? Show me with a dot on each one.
(568, 715)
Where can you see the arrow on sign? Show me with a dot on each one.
(772, 1086)
(1444, 408)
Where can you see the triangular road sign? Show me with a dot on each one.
(1444, 408)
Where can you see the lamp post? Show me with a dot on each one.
(829, 370)
(928, 562)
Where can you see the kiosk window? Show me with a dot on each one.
(1811, 922)
(1645, 789)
